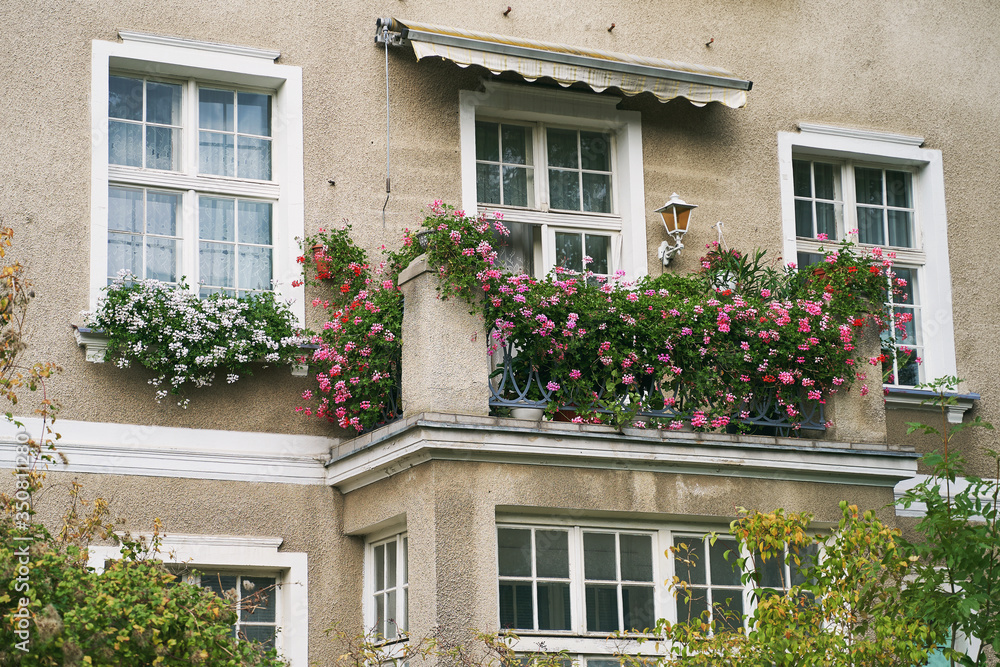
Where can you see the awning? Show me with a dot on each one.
(568, 64)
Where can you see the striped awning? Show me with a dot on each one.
(567, 65)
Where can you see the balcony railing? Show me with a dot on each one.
(518, 384)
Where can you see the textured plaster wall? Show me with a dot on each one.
(923, 68)
(306, 517)
(451, 510)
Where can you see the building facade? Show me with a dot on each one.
(135, 131)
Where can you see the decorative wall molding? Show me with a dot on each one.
(187, 453)
(425, 437)
(916, 399)
(185, 43)
(866, 135)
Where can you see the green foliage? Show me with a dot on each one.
(956, 577)
(847, 608)
(185, 340)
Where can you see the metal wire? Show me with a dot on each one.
(388, 189)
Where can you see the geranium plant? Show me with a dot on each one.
(705, 350)
(186, 341)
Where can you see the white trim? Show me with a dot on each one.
(918, 399)
(184, 42)
(165, 56)
(727, 456)
(865, 135)
(580, 110)
(919, 510)
(931, 219)
(243, 553)
(381, 538)
(187, 453)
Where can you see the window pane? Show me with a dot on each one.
(487, 141)
(516, 141)
(804, 218)
(869, 185)
(255, 222)
(599, 556)
(161, 259)
(870, 226)
(390, 615)
(257, 599)
(569, 254)
(125, 210)
(597, 193)
(379, 558)
(823, 175)
(595, 151)
(261, 634)
(516, 609)
(897, 189)
(217, 264)
(723, 568)
(564, 189)
(163, 103)
(162, 212)
(727, 609)
(124, 98)
(637, 607)
(602, 608)
(390, 565)
(771, 571)
(515, 186)
(254, 158)
(514, 552)
(826, 219)
(807, 559)
(488, 183)
(215, 153)
(161, 150)
(801, 178)
(900, 226)
(689, 559)
(380, 614)
(598, 249)
(562, 148)
(808, 258)
(125, 144)
(216, 219)
(552, 553)
(694, 608)
(254, 114)
(406, 564)
(909, 372)
(124, 254)
(219, 583)
(553, 606)
(636, 557)
(215, 109)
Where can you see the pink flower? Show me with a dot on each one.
(821, 237)
(699, 419)
(575, 374)
(552, 386)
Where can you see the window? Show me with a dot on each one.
(713, 584)
(545, 573)
(198, 170)
(565, 169)
(389, 586)
(270, 586)
(882, 191)
(255, 597)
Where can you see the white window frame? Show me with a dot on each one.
(929, 257)
(571, 110)
(197, 62)
(395, 534)
(595, 644)
(243, 555)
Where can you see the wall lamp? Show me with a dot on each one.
(676, 214)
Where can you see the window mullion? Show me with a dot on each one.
(542, 172)
(618, 585)
(189, 239)
(849, 193)
(577, 592)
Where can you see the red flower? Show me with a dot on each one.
(852, 269)
(874, 269)
(769, 378)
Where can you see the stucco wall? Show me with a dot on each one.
(906, 67)
(306, 517)
(451, 510)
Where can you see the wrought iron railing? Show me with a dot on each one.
(516, 383)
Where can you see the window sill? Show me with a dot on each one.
(902, 398)
(95, 344)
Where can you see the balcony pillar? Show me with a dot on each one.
(858, 418)
(445, 366)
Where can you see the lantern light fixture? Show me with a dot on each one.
(676, 215)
